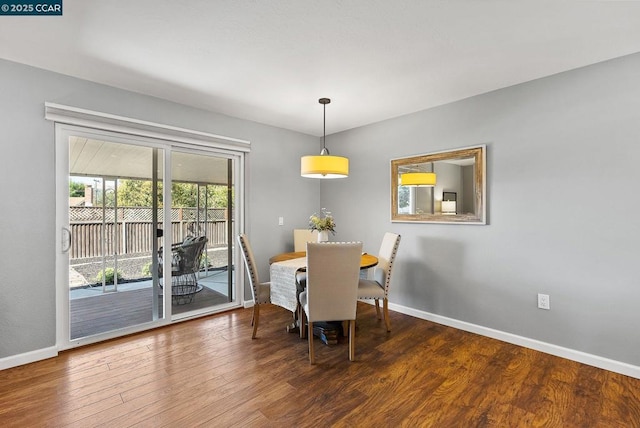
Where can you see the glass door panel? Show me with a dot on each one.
(202, 211)
(114, 217)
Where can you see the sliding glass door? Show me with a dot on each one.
(147, 231)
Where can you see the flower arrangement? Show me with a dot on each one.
(322, 223)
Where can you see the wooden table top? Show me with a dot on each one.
(367, 261)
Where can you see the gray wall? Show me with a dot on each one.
(27, 256)
(561, 151)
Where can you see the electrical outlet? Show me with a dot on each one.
(543, 301)
(280, 221)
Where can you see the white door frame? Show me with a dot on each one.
(71, 120)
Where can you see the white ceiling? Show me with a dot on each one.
(269, 61)
(95, 158)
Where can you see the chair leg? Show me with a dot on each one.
(378, 308)
(352, 340)
(385, 304)
(256, 318)
(253, 314)
(312, 358)
(302, 319)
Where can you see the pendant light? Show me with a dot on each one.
(425, 179)
(324, 165)
(417, 178)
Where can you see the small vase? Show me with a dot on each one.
(323, 236)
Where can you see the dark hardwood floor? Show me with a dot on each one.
(208, 372)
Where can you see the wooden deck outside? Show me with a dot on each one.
(115, 310)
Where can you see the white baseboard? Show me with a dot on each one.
(548, 348)
(559, 351)
(28, 357)
(43, 354)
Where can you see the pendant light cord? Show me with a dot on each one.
(324, 102)
(324, 126)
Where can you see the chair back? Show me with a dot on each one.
(333, 271)
(301, 237)
(386, 256)
(185, 256)
(249, 264)
(192, 251)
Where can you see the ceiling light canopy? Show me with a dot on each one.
(324, 165)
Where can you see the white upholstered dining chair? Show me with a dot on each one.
(378, 287)
(333, 270)
(301, 237)
(261, 291)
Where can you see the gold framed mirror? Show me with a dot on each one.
(441, 187)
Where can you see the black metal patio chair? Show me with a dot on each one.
(186, 257)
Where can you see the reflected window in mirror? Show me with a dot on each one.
(441, 187)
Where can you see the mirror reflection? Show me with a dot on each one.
(443, 187)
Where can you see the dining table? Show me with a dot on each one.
(284, 269)
(366, 261)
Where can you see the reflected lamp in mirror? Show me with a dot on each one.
(448, 207)
(458, 195)
(449, 203)
(418, 179)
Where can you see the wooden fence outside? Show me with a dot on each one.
(131, 230)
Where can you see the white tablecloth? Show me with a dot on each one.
(283, 282)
